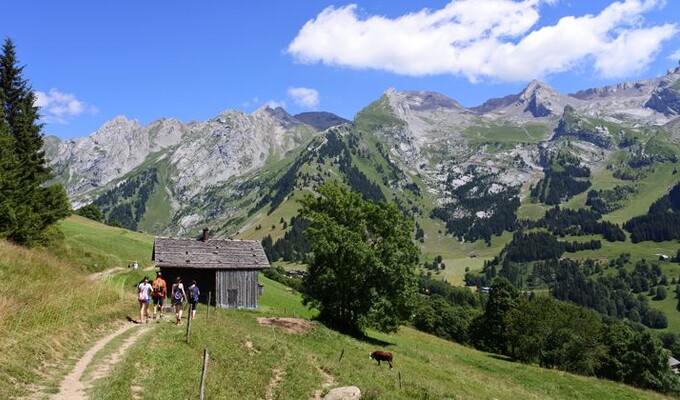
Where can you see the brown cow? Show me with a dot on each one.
(382, 356)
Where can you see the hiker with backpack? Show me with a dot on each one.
(144, 291)
(193, 298)
(178, 297)
(159, 293)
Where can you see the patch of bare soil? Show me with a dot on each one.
(290, 325)
(328, 382)
(276, 380)
(72, 388)
(249, 345)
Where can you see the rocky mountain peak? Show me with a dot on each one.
(118, 123)
(426, 135)
(116, 148)
(625, 89)
(427, 101)
(541, 100)
(665, 98)
(320, 120)
(421, 101)
(407, 104)
(277, 115)
(537, 99)
(534, 88)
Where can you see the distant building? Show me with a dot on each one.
(226, 268)
(296, 273)
(675, 364)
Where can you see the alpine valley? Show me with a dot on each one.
(471, 177)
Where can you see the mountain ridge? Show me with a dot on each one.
(419, 136)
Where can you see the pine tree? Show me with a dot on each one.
(27, 205)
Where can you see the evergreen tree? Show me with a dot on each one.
(27, 206)
(660, 293)
(489, 331)
(90, 211)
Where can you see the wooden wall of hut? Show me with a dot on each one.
(237, 289)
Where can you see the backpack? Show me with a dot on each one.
(177, 293)
(156, 285)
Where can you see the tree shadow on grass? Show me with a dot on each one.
(353, 333)
(373, 341)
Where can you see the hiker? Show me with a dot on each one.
(146, 313)
(144, 297)
(193, 298)
(178, 297)
(160, 291)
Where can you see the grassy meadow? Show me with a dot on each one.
(50, 312)
(57, 304)
(97, 247)
(250, 361)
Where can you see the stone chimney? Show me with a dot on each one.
(206, 234)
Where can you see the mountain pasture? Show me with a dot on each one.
(247, 360)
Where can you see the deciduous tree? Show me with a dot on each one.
(363, 270)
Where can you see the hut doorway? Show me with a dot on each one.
(232, 298)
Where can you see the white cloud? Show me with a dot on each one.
(485, 39)
(57, 107)
(675, 56)
(304, 97)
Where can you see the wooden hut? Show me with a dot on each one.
(227, 268)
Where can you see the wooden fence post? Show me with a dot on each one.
(191, 307)
(204, 372)
(207, 315)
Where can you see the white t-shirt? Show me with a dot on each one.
(144, 290)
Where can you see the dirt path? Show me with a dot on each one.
(328, 381)
(107, 272)
(274, 382)
(72, 388)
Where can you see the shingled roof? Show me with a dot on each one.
(211, 254)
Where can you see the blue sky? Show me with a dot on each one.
(91, 61)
